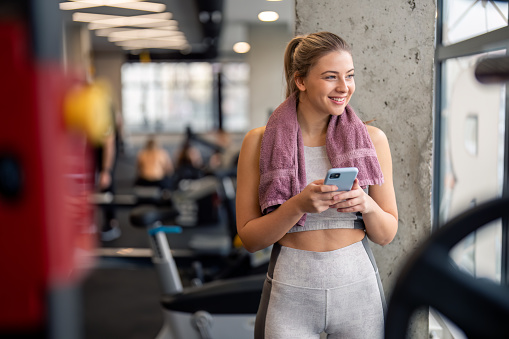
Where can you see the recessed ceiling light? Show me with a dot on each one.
(241, 47)
(268, 16)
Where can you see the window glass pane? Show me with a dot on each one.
(168, 97)
(235, 96)
(472, 146)
(464, 19)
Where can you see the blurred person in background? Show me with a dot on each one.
(154, 166)
(105, 161)
(189, 164)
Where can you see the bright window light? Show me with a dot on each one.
(268, 16)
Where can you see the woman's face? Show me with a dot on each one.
(329, 84)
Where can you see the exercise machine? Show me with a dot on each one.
(221, 309)
(479, 307)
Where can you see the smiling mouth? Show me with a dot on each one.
(338, 100)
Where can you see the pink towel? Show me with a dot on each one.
(282, 163)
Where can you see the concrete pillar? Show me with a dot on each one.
(393, 49)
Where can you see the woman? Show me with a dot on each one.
(322, 276)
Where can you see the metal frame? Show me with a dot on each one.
(494, 40)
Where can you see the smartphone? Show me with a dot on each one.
(342, 177)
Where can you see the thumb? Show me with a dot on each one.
(356, 185)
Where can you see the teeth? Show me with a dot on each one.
(338, 99)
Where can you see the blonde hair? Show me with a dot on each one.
(303, 51)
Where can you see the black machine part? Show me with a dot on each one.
(492, 70)
(479, 307)
(230, 296)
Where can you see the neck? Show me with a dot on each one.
(312, 125)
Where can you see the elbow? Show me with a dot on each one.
(248, 245)
(385, 242)
(251, 248)
(384, 239)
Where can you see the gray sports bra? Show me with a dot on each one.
(317, 165)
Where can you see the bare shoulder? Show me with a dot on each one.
(256, 133)
(377, 136)
(254, 137)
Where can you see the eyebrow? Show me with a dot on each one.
(335, 72)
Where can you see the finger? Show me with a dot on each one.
(347, 204)
(318, 182)
(356, 185)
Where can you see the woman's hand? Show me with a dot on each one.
(317, 197)
(355, 200)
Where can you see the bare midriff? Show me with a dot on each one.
(322, 240)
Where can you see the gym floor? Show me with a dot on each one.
(121, 299)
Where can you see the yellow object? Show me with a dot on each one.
(237, 243)
(87, 108)
(145, 56)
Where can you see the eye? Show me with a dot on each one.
(350, 76)
(330, 77)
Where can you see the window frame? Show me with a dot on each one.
(487, 42)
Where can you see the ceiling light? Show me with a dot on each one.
(141, 44)
(268, 16)
(162, 24)
(109, 30)
(116, 19)
(145, 34)
(98, 21)
(241, 47)
(132, 4)
(152, 42)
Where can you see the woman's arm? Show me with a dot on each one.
(379, 209)
(257, 231)
(382, 221)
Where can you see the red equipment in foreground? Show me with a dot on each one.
(45, 218)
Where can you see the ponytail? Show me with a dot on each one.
(291, 86)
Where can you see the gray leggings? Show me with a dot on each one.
(307, 293)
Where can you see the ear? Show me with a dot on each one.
(299, 81)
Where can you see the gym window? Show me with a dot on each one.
(168, 97)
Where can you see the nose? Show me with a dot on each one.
(342, 86)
